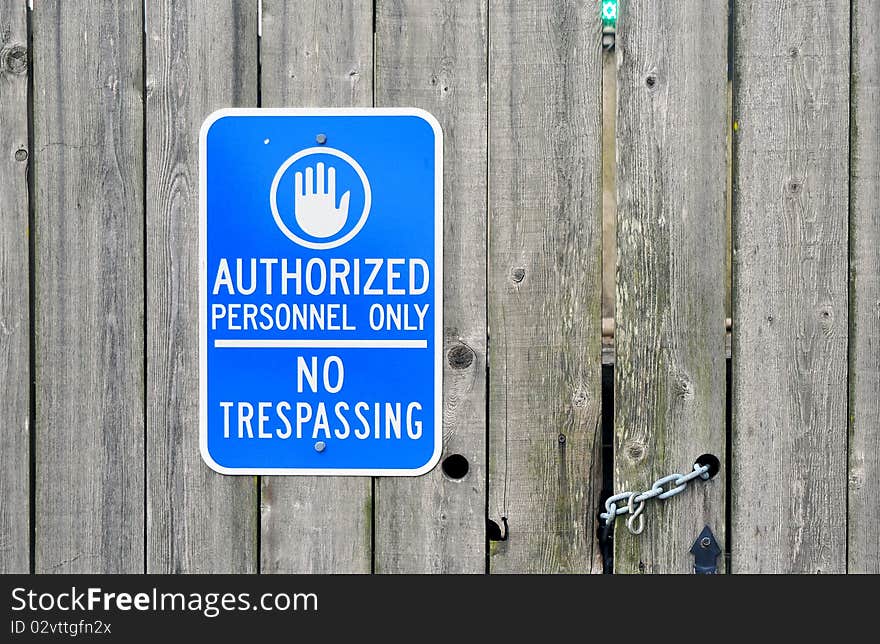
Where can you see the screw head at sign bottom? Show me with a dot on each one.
(320, 446)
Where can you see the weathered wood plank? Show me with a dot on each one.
(89, 292)
(864, 373)
(791, 97)
(433, 55)
(669, 376)
(200, 56)
(14, 316)
(317, 53)
(609, 183)
(544, 282)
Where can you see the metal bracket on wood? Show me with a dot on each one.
(706, 551)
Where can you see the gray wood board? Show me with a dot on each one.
(791, 99)
(14, 291)
(670, 370)
(544, 283)
(433, 55)
(89, 292)
(317, 53)
(201, 56)
(864, 368)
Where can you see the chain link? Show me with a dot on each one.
(633, 503)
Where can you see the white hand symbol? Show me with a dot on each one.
(316, 211)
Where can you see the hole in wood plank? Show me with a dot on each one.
(712, 461)
(455, 466)
(493, 530)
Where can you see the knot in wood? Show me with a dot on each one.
(460, 356)
(13, 58)
(21, 154)
(857, 478)
(518, 275)
(635, 451)
(684, 388)
(826, 318)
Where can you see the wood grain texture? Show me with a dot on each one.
(609, 186)
(544, 282)
(433, 55)
(200, 56)
(14, 315)
(864, 369)
(669, 376)
(789, 380)
(89, 292)
(317, 53)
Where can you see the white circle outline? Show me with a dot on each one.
(273, 200)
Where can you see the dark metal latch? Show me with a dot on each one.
(706, 551)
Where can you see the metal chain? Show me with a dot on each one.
(634, 503)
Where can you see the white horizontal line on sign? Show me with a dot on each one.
(320, 344)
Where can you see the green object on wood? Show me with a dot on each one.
(610, 11)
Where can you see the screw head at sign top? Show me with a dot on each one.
(321, 139)
(320, 446)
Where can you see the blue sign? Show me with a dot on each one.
(320, 291)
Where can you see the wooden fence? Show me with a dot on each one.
(100, 106)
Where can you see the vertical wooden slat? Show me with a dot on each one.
(317, 53)
(864, 373)
(609, 182)
(544, 282)
(669, 374)
(432, 55)
(89, 292)
(791, 98)
(14, 317)
(200, 56)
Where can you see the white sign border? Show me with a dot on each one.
(438, 287)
